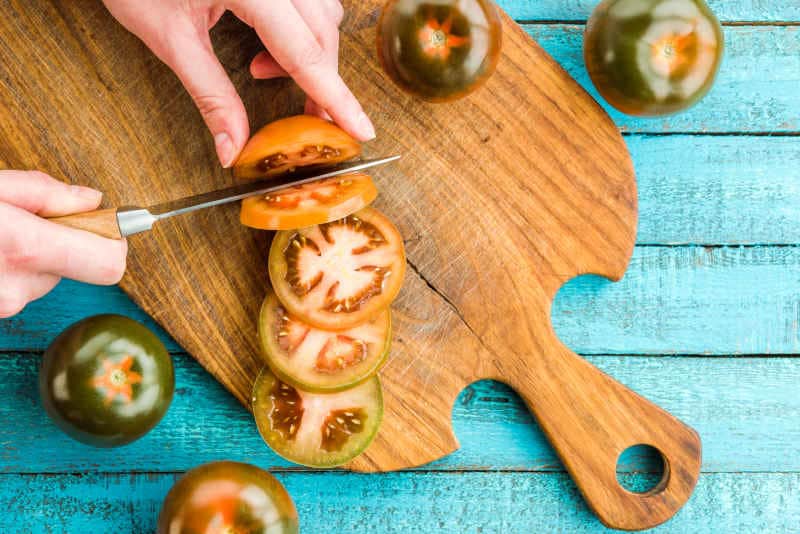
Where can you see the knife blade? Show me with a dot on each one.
(130, 220)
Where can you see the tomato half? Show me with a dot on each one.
(319, 360)
(297, 141)
(653, 57)
(309, 204)
(337, 275)
(106, 380)
(317, 430)
(439, 50)
(228, 497)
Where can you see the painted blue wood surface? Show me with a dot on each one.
(755, 91)
(746, 409)
(725, 10)
(458, 503)
(672, 300)
(710, 304)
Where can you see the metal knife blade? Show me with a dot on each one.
(133, 220)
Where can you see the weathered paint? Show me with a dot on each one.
(746, 410)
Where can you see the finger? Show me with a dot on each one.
(321, 20)
(189, 53)
(312, 108)
(295, 47)
(43, 195)
(264, 67)
(36, 245)
(40, 284)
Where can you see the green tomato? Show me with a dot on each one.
(228, 497)
(652, 57)
(106, 380)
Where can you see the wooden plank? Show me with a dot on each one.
(400, 502)
(717, 189)
(672, 300)
(745, 409)
(579, 10)
(756, 86)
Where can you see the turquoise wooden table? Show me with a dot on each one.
(706, 323)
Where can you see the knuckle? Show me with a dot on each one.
(211, 104)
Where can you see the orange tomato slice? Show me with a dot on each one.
(298, 141)
(309, 204)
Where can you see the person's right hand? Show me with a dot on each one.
(36, 253)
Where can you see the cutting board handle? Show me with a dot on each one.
(590, 419)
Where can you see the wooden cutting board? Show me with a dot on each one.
(501, 197)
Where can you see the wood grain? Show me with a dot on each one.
(101, 222)
(506, 195)
(397, 503)
(745, 408)
(697, 300)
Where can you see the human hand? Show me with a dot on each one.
(302, 41)
(36, 253)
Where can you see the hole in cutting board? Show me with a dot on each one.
(641, 469)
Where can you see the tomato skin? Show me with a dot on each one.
(228, 497)
(106, 380)
(302, 139)
(653, 57)
(309, 204)
(376, 336)
(320, 315)
(285, 432)
(440, 50)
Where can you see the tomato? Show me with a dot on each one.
(653, 57)
(106, 380)
(439, 50)
(309, 204)
(337, 275)
(320, 360)
(297, 141)
(313, 429)
(227, 497)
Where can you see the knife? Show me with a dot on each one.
(116, 223)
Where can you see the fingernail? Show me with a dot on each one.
(86, 192)
(224, 146)
(365, 127)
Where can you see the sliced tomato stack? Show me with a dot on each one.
(325, 329)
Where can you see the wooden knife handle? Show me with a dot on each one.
(101, 222)
(590, 419)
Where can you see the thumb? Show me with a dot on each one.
(190, 54)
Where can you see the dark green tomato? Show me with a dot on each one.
(439, 50)
(652, 57)
(228, 498)
(106, 380)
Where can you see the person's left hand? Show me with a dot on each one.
(302, 41)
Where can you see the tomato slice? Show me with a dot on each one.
(297, 141)
(309, 204)
(317, 430)
(337, 275)
(319, 360)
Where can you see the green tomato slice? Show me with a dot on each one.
(313, 429)
(318, 360)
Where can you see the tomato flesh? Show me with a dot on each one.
(653, 57)
(309, 204)
(337, 275)
(228, 497)
(298, 141)
(317, 430)
(106, 380)
(319, 360)
(439, 50)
